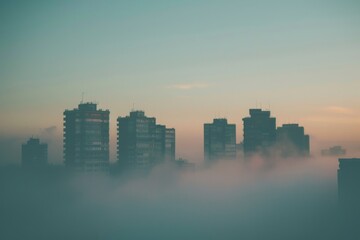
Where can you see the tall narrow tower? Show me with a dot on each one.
(86, 138)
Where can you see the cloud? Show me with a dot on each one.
(10, 149)
(339, 110)
(335, 114)
(189, 86)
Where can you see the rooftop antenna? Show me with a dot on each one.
(133, 107)
(82, 97)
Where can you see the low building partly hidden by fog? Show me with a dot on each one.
(86, 138)
(349, 185)
(219, 140)
(333, 151)
(34, 154)
(184, 164)
(259, 133)
(292, 141)
(142, 144)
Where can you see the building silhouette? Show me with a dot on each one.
(292, 141)
(219, 140)
(86, 138)
(184, 164)
(141, 143)
(333, 151)
(170, 144)
(259, 133)
(34, 154)
(349, 185)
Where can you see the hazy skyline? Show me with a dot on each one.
(183, 62)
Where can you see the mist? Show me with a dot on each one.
(10, 144)
(288, 199)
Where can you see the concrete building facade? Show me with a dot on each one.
(86, 138)
(219, 140)
(141, 143)
(292, 141)
(259, 133)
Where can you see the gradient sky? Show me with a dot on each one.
(183, 62)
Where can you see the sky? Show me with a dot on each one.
(183, 62)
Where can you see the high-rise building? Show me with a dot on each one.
(34, 154)
(170, 144)
(86, 138)
(292, 141)
(142, 143)
(259, 132)
(348, 184)
(219, 140)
